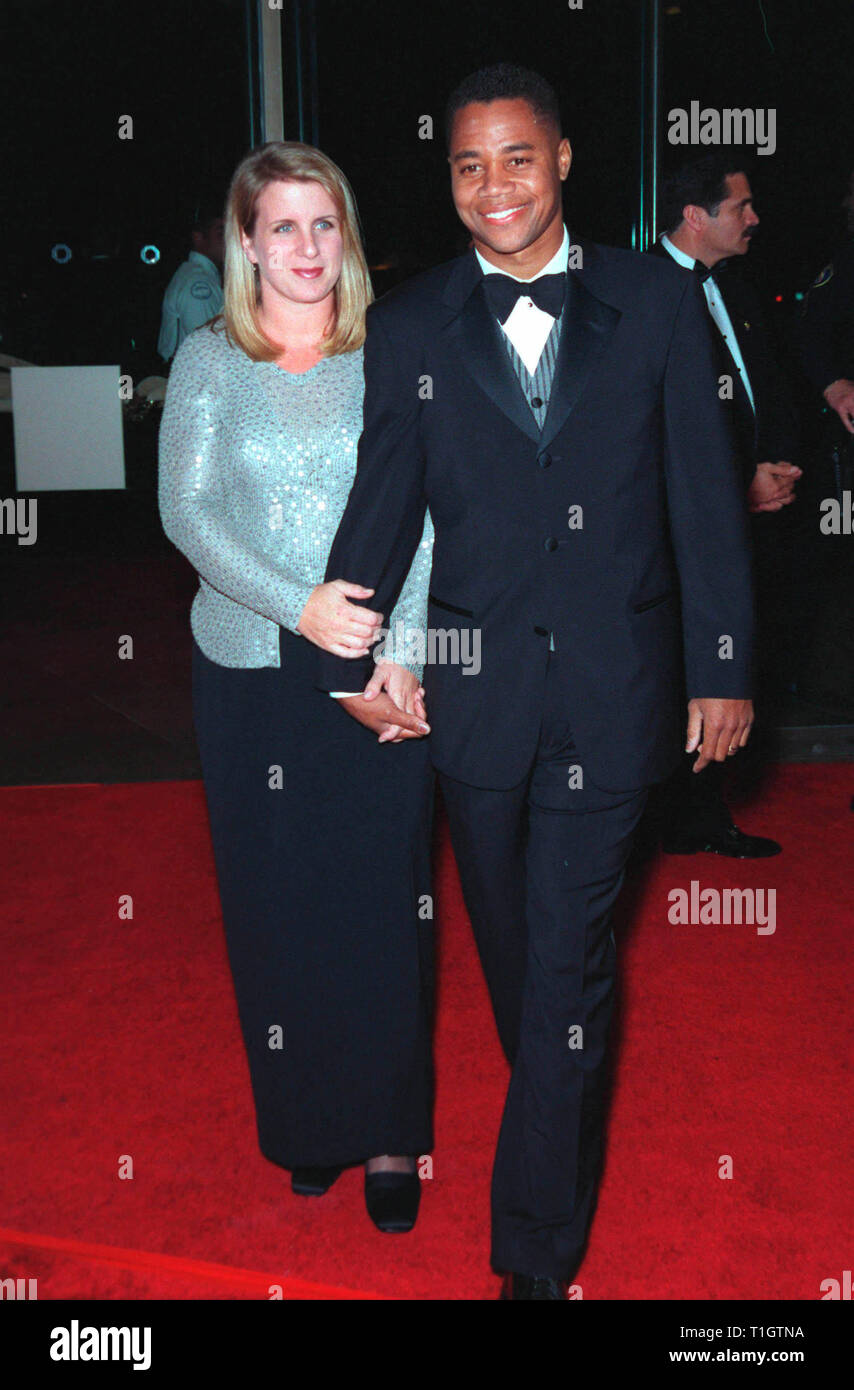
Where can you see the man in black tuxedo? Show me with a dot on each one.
(552, 404)
(707, 211)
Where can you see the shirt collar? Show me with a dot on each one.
(678, 256)
(689, 263)
(557, 264)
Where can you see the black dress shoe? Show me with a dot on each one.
(729, 840)
(313, 1182)
(392, 1200)
(532, 1287)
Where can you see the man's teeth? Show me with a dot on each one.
(501, 216)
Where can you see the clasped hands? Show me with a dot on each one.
(773, 486)
(392, 703)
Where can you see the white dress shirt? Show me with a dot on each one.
(717, 309)
(527, 326)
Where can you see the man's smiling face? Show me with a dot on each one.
(507, 166)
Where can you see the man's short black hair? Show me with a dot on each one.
(504, 82)
(701, 181)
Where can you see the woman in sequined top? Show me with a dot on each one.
(320, 834)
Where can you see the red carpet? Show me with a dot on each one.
(121, 1038)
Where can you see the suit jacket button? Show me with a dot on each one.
(544, 460)
(550, 543)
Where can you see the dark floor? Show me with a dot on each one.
(102, 569)
(72, 710)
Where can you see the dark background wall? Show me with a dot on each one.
(179, 68)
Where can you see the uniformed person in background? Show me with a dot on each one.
(194, 294)
(828, 326)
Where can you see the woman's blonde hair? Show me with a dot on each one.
(292, 161)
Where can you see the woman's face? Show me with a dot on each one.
(297, 242)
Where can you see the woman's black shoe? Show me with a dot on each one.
(392, 1200)
(313, 1182)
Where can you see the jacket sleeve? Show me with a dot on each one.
(409, 616)
(384, 519)
(708, 517)
(193, 495)
(827, 328)
(778, 434)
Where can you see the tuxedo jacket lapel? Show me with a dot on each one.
(475, 337)
(746, 418)
(728, 289)
(588, 326)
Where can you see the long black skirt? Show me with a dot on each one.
(321, 838)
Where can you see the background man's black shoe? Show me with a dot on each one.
(313, 1182)
(729, 840)
(528, 1286)
(392, 1200)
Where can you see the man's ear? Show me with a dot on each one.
(564, 157)
(694, 217)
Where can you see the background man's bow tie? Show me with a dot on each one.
(703, 271)
(502, 292)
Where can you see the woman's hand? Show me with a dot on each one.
(403, 688)
(332, 622)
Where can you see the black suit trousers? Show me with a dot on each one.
(541, 866)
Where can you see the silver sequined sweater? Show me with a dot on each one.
(256, 465)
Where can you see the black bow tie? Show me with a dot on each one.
(702, 270)
(502, 293)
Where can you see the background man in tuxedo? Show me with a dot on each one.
(550, 413)
(828, 326)
(708, 213)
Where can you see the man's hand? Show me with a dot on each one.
(773, 486)
(384, 717)
(840, 397)
(724, 726)
(332, 622)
